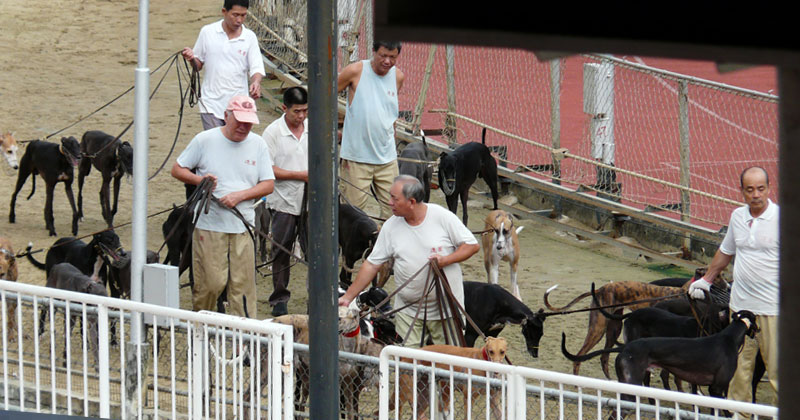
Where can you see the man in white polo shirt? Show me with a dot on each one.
(287, 140)
(230, 55)
(753, 238)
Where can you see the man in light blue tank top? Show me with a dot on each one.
(368, 154)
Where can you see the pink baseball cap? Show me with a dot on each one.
(244, 109)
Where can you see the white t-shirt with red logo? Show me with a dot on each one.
(440, 233)
(237, 165)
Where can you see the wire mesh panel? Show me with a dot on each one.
(654, 140)
(72, 353)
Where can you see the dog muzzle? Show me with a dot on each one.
(448, 186)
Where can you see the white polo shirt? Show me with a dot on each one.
(755, 242)
(290, 153)
(228, 65)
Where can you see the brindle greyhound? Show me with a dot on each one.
(113, 159)
(55, 162)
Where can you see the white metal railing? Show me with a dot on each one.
(544, 393)
(201, 365)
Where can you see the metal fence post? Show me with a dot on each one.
(198, 378)
(450, 121)
(103, 365)
(685, 176)
(423, 91)
(323, 206)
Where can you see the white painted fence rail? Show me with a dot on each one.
(533, 393)
(201, 365)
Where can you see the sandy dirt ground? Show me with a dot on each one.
(61, 59)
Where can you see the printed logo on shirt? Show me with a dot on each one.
(250, 162)
(391, 93)
(434, 250)
(243, 53)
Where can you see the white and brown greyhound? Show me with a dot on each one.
(500, 243)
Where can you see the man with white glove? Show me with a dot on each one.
(753, 237)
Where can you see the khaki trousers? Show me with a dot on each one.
(220, 259)
(740, 388)
(433, 329)
(358, 177)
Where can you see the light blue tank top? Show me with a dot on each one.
(368, 133)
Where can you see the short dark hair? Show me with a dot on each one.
(295, 95)
(389, 45)
(228, 4)
(741, 176)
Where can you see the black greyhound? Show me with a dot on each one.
(412, 162)
(113, 159)
(491, 307)
(91, 259)
(55, 162)
(705, 361)
(459, 169)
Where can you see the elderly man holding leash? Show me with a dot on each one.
(287, 140)
(417, 233)
(753, 238)
(230, 55)
(368, 152)
(238, 164)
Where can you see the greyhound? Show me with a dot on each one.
(90, 259)
(113, 159)
(412, 162)
(66, 276)
(707, 360)
(8, 147)
(459, 169)
(55, 162)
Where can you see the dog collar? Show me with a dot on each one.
(353, 333)
(485, 355)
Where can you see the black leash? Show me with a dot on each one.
(106, 104)
(616, 305)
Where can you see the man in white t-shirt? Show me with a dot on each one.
(418, 232)
(753, 237)
(230, 55)
(287, 140)
(238, 163)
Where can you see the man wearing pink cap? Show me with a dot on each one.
(239, 164)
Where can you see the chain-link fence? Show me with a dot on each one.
(648, 138)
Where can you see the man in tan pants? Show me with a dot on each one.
(238, 163)
(753, 237)
(368, 152)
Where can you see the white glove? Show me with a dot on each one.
(697, 287)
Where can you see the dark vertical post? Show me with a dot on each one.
(323, 210)
(789, 200)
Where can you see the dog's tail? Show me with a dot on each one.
(33, 187)
(483, 136)
(563, 308)
(605, 313)
(35, 263)
(586, 356)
